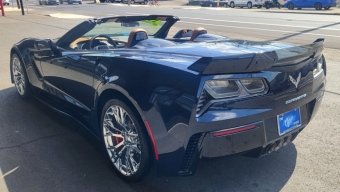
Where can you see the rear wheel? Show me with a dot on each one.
(125, 140)
(318, 6)
(145, 2)
(249, 5)
(290, 6)
(20, 78)
(232, 4)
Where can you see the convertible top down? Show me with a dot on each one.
(169, 101)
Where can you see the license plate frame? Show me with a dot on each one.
(288, 121)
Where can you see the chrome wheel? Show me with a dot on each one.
(18, 75)
(122, 140)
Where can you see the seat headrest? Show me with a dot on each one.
(136, 36)
(198, 31)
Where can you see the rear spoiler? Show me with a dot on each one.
(285, 59)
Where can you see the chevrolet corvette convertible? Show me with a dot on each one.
(167, 101)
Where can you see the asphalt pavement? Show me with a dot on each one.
(41, 150)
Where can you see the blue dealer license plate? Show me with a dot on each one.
(288, 121)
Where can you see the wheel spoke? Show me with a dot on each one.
(135, 148)
(127, 160)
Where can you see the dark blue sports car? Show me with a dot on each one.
(169, 101)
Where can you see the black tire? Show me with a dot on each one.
(27, 92)
(61, 1)
(327, 8)
(318, 6)
(146, 156)
(249, 5)
(241, 7)
(290, 6)
(40, 3)
(132, 2)
(80, 2)
(69, 2)
(232, 4)
(145, 2)
(259, 7)
(225, 5)
(299, 8)
(45, 2)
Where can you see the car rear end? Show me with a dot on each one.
(253, 105)
(331, 3)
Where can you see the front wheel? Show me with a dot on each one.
(20, 78)
(318, 6)
(126, 140)
(290, 6)
(232, 5)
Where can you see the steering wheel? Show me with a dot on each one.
(112, 42)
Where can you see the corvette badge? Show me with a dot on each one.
(297, 81)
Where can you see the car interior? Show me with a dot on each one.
(137, 35)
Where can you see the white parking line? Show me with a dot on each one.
(238, 27)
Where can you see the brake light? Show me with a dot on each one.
(232, 131)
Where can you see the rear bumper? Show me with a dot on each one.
(256, 142)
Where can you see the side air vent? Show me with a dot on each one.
(35, 68)
(201, 102)
(191, 155)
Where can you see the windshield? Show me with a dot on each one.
(121, 30)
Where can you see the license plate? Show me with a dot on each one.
(288, 121)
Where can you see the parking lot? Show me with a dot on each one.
(41, 150)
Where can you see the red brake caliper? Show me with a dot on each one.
(118, 139)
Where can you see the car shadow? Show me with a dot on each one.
(42, 150)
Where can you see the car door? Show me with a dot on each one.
(69, 78)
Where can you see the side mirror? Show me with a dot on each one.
(46, 48)
(43, 45)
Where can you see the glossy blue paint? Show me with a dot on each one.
(311, 3)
